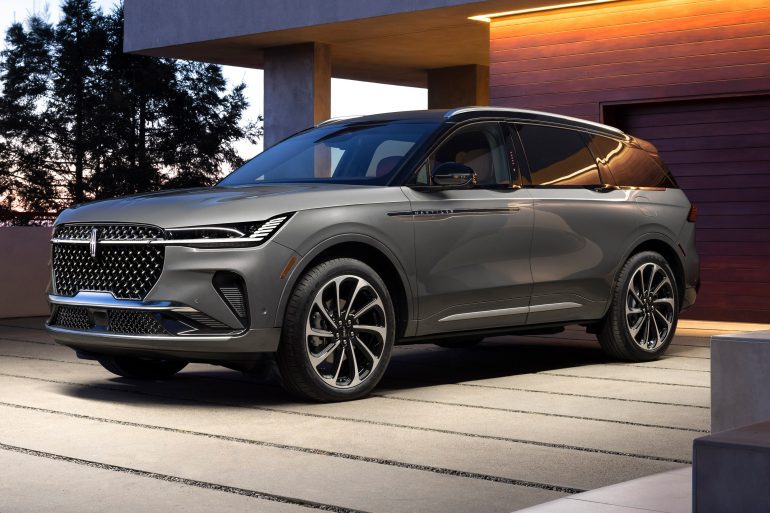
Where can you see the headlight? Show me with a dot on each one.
(235, 235)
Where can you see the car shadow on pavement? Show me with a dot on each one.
(411, 367)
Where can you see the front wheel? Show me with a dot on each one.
(338, 332)
(141, 368)
(643, 314)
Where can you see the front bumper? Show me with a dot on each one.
(184, 290)
(240, 347)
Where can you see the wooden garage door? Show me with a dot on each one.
(719, 152)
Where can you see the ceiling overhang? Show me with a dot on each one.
(391, 42)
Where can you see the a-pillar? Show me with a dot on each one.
(297, 89)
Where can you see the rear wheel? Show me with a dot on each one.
(338, 332)
(141, 368)
(642, 317)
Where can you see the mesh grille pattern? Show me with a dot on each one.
(129, 322)
(108, 232)
(126, 322)
(72, 317)
(129, 272)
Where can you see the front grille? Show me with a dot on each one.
(72, 317)
(127, 271)
(123, 322)
(130, 322)
(108, 232)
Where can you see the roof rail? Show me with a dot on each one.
(464, 110)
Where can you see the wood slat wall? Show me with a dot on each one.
(646, 66)
(573, 60)
(733, 237)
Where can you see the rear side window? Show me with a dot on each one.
(558, 157)
(631, 167)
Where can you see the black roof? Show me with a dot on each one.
(470, 113)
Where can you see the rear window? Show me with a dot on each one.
(631, 167)
(558, 157)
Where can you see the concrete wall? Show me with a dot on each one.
(152, 23)
(24, 271)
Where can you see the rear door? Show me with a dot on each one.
(472, 245)
(581, 229)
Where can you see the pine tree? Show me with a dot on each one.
(79, 119)
(28, 155)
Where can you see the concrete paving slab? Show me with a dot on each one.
(669, 492)
(674, 363)
(649, 392)
(670, 445)
(634, 373)
(349, 484)
(537, 463)
(35, 484)
(445, 438)
(689, 352)
(551, 404)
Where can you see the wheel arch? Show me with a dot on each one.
(372, 253)
(667, 249)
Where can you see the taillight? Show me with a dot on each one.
(693, 215)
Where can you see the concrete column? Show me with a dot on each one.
(297, 89)
(458, 86)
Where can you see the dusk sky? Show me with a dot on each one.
(349, 97)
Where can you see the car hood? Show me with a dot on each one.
(219, 205)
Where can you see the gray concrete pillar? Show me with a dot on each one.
(297, 89)
(458, 86)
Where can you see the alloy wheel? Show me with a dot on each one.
(650, 306)
(346, 331)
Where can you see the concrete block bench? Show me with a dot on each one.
(740, 380)
(731, 471)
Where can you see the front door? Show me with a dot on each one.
(472, 245)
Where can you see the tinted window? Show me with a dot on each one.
(558, 157)
(631, 167)
(336, 154)
(478, 146)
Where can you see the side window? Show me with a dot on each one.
(631, 167)
(558, 156)
(478, 146)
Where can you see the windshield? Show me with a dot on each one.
(358, 154)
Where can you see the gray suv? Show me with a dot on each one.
(355, 235)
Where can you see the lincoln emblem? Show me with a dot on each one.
(92, 243)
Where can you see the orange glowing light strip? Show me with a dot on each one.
(488, 17)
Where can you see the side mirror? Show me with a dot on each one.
(454, 174)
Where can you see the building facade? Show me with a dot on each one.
(693, 77)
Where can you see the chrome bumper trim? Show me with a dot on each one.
(161, 338)
(107, 300)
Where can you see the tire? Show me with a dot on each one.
(141, 368)
(644, 310)
(324, 355)
(459, 342)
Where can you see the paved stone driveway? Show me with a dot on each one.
(513, 422)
